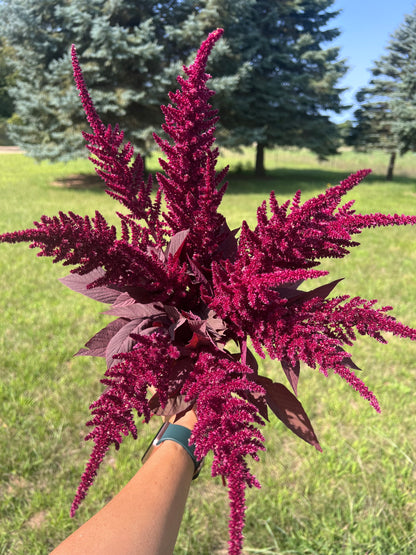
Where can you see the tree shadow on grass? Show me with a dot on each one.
(80, 182)
(287, 181)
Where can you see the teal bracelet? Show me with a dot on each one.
(181, 435)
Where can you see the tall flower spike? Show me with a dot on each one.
(181, 287)
(113, 161)
(190, 182)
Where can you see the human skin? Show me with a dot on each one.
(145, 516)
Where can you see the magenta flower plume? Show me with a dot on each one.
(182, 286)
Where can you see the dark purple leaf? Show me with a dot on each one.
(251, 361)
(294, 284)
(176, 244)
(97, 345)
(301, 296)
(214, 322)
(144, 330)
(142, 294)
(121, 342)
(136, 311)
(123, 299)
(172, 312)
(215, 328)
(351, 364)
(347, 361)
(79, 284)
(200, 333)
(198, 274)
(289, 410)
(243, 349)
(197, 339)
(180, 331)
(259, 401)
(199, 326)
(292, 373)
(174, 406)
(228, 248)
(159, 253)
(323, 291)
(289, 293)
(288, 290)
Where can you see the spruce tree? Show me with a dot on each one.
(289, 74)
(129, 61)
(386, 118)
(6, 79)
(273, 77)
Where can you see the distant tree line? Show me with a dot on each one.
(275, 72)
(386, 118)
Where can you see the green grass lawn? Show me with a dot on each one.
(357, 497)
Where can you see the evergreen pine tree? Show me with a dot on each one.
(6, 79)
(386, 118)
(129, 62)
(288, 73)
(273, 78)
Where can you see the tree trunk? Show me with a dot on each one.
(390, 168)
(260, 170)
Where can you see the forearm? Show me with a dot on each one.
(145, 516)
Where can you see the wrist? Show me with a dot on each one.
(180, 435)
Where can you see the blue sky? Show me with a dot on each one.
(366, 26)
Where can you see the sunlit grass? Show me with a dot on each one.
(356, 497)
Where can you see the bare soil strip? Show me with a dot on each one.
(10, 150)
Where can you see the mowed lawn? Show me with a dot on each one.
(357, 497)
